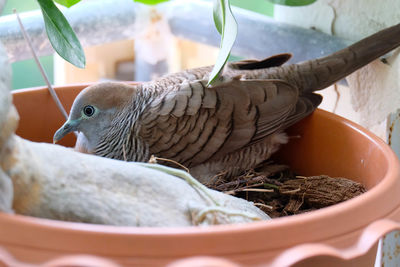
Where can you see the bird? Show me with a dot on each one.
(225, 128)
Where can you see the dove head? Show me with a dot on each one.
(94, 111)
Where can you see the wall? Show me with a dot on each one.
(373, 92)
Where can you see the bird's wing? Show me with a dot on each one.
(233, 69)
(194, 123)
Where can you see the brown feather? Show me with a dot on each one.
(232, 126)
(228, 117)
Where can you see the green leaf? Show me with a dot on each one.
(217, 16)
(293, 2)
(150, 2)
(67, 3)
(61, 35)
(229, 33)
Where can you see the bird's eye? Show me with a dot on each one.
(88, 110)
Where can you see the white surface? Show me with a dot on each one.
(373, 89)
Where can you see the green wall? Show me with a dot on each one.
(25, 73)
(260, 6)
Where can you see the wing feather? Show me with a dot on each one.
(193, 123)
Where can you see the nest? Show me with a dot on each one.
(278, 191)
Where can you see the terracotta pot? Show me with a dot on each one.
(341, 235)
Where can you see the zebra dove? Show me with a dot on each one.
(230, 127)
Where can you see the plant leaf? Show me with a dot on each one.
(293, 2)
(150, 2)
(229, 33)
(61, 35)
(67, 3)
(217, 16)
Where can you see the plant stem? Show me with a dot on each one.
(182, 174)
(50, 88)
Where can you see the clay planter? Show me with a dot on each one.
(341, 235)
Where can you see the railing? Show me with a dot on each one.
(98, 22)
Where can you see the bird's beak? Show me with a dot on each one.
(68, 127)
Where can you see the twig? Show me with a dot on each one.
(153, 159)
(271, 185)
(46, 79)
(252, 185)
(291, 191)
(216, 179)
(247, 189)
(257, 179)
(263, 205)
(258, 190)
(182, 174)
(335, 87)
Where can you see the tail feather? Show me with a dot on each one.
(306, 105)
(320, 73)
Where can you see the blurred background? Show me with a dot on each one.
(116, 60)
